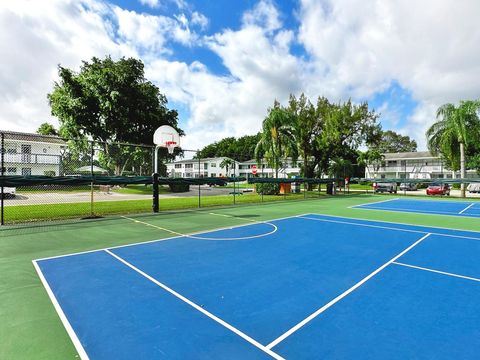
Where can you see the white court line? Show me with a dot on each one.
(275, 229)
(197, 307)
(435, 212)
(437, 271)
(73, 336)
(468, 207)
(164, 239)
(390, 228)
(374, 202)
(342, 295)
(405, 224)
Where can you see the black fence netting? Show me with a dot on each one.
(50, 178)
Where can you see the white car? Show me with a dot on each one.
(473, 187)
(9, 192)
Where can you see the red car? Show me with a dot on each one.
(438, 189)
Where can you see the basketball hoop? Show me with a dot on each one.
(165, 137)
(170, 145)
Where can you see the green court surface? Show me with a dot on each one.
(30, 327)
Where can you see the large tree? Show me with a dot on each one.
(347, 127)
(455, 129)
(392, 142)
(240, 149)
(110, 101)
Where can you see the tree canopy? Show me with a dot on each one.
(317, 133)
(392, 142)
(240, 149)
(47, 129)
(110, 101)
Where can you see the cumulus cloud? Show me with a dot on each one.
(430, 48)
(41, 35)
(264, 15)
(38, 38)
(151, 3)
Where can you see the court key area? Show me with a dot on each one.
(304, 287)
(435, 207)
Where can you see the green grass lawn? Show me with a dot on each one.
(39, 212)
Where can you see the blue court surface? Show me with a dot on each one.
(455, 208)
(305, 287)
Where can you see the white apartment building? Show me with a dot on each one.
(210, 167)
(32, 154)
(412, 165)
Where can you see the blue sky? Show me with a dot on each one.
(223, 63)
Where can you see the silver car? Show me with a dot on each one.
(408, 186)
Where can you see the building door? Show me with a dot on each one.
(26, 153)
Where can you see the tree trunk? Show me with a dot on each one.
(462, 169)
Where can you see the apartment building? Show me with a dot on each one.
(211, 167)
(412, 165)
(32, 154)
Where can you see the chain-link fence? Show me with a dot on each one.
(50, 178)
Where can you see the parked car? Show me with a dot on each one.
(473, 187)
(408, 186)
(385, 187)
(438, 189)
(9, 192)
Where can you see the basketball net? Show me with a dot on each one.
(170, 145)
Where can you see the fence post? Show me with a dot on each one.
(92, 154)
(234, 182)
(2, 220)
(199, 193)
(155, 192)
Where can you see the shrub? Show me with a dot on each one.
(268, 188)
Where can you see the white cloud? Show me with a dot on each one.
(39, 36)
(264, 15)
(144, 31)
(151, 3)
(199, 20)
(42, 35)
(430, 48)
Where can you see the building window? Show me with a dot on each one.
(178, 166)
(213, 164)
(26, 171)
(205, 166)
(10, 149)
(188, 175)
(11, 171)
(188, 166)
(213, 175)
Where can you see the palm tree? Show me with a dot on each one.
(276, 141)
(456, 127)
(373, 158)
(226, 163)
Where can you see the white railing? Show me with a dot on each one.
(410, 169)
(32, 159)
